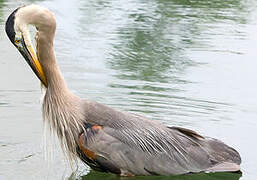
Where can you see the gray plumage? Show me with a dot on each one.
(146, 147)
(107, 139)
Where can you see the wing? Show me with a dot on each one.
(127, 144)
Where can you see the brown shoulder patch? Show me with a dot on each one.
(88, 153)
(96, 128)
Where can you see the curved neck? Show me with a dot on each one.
(47, 59)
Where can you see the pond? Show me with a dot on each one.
(184, 63)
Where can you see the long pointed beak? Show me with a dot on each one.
(30, 56)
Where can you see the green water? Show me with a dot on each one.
(212, 176)
(184, 63)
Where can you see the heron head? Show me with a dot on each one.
(17, 30)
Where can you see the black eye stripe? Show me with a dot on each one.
(9, 26)
(22, 41)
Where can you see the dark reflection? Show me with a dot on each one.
(93, 175)
(152, 52)
(153, 45)
(209, 11)
(147, 50)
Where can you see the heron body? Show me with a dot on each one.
(104, 138)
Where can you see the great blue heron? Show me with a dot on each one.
(104, 138)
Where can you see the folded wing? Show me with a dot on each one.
(129, 144)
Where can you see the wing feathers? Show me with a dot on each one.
(129, 142)
(187, 132)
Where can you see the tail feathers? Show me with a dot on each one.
(222, 153)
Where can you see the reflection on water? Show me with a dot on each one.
(212, 176)
(184, 63)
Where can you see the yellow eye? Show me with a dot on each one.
(17, 41)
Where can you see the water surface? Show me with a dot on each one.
(184, 63)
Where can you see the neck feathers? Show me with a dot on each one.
(63, 114)
(61, 109)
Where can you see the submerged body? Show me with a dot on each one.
(104, 138)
